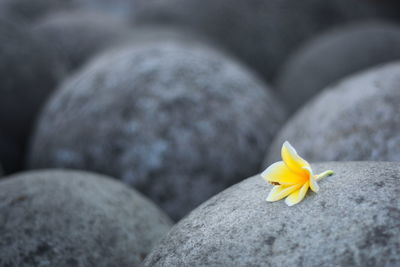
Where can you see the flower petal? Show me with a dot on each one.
(280, 173)
(314, 184)
(297, 195)
(281, 191)
(293, 160)
(308, 170)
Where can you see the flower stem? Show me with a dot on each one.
(323, 175)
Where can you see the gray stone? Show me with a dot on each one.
(334, 55)
(356, 119)
(29, 10)
(117, 8)
(262, 33)
(179, 121)
(352, 221)
(71, 218)
(391, 8)
(77, 36)
(142, 34)
(28, 73)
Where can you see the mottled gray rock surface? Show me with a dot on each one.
(262, 33)
(352, 221)
(28, 73)
(334, 55)
(178, 121)
(356, 119)
(70, 218)
(77, 36)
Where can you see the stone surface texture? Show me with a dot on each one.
(355, 119)
(352, 221)
(70, 218)
(179, 121)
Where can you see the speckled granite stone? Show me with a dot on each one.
(352, 221)
(70, 218)
(355, 119)
(180, 121)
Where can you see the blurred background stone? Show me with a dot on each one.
(390, 8)
(356, 119)
(70, 218)
(11, 153)
(77, 36)
(334, 55)
(28, 73)
(29, 10)
(262, 33)
(352, 221)
(142, 34)
(118, 8)
(179, 121)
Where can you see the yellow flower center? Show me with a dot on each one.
(291, 177)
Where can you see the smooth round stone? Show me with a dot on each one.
(356, 119)
(177, 120)
(352, 221)
(78, 36)
(262, 33)
(71, 218)
(28, 73)
(334, 55)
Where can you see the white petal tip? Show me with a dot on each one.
(290, 203)
(270, 199)
(314, 188)
(289, 146)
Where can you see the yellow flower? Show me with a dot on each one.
(292, 177)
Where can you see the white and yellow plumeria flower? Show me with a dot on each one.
(292, 177)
